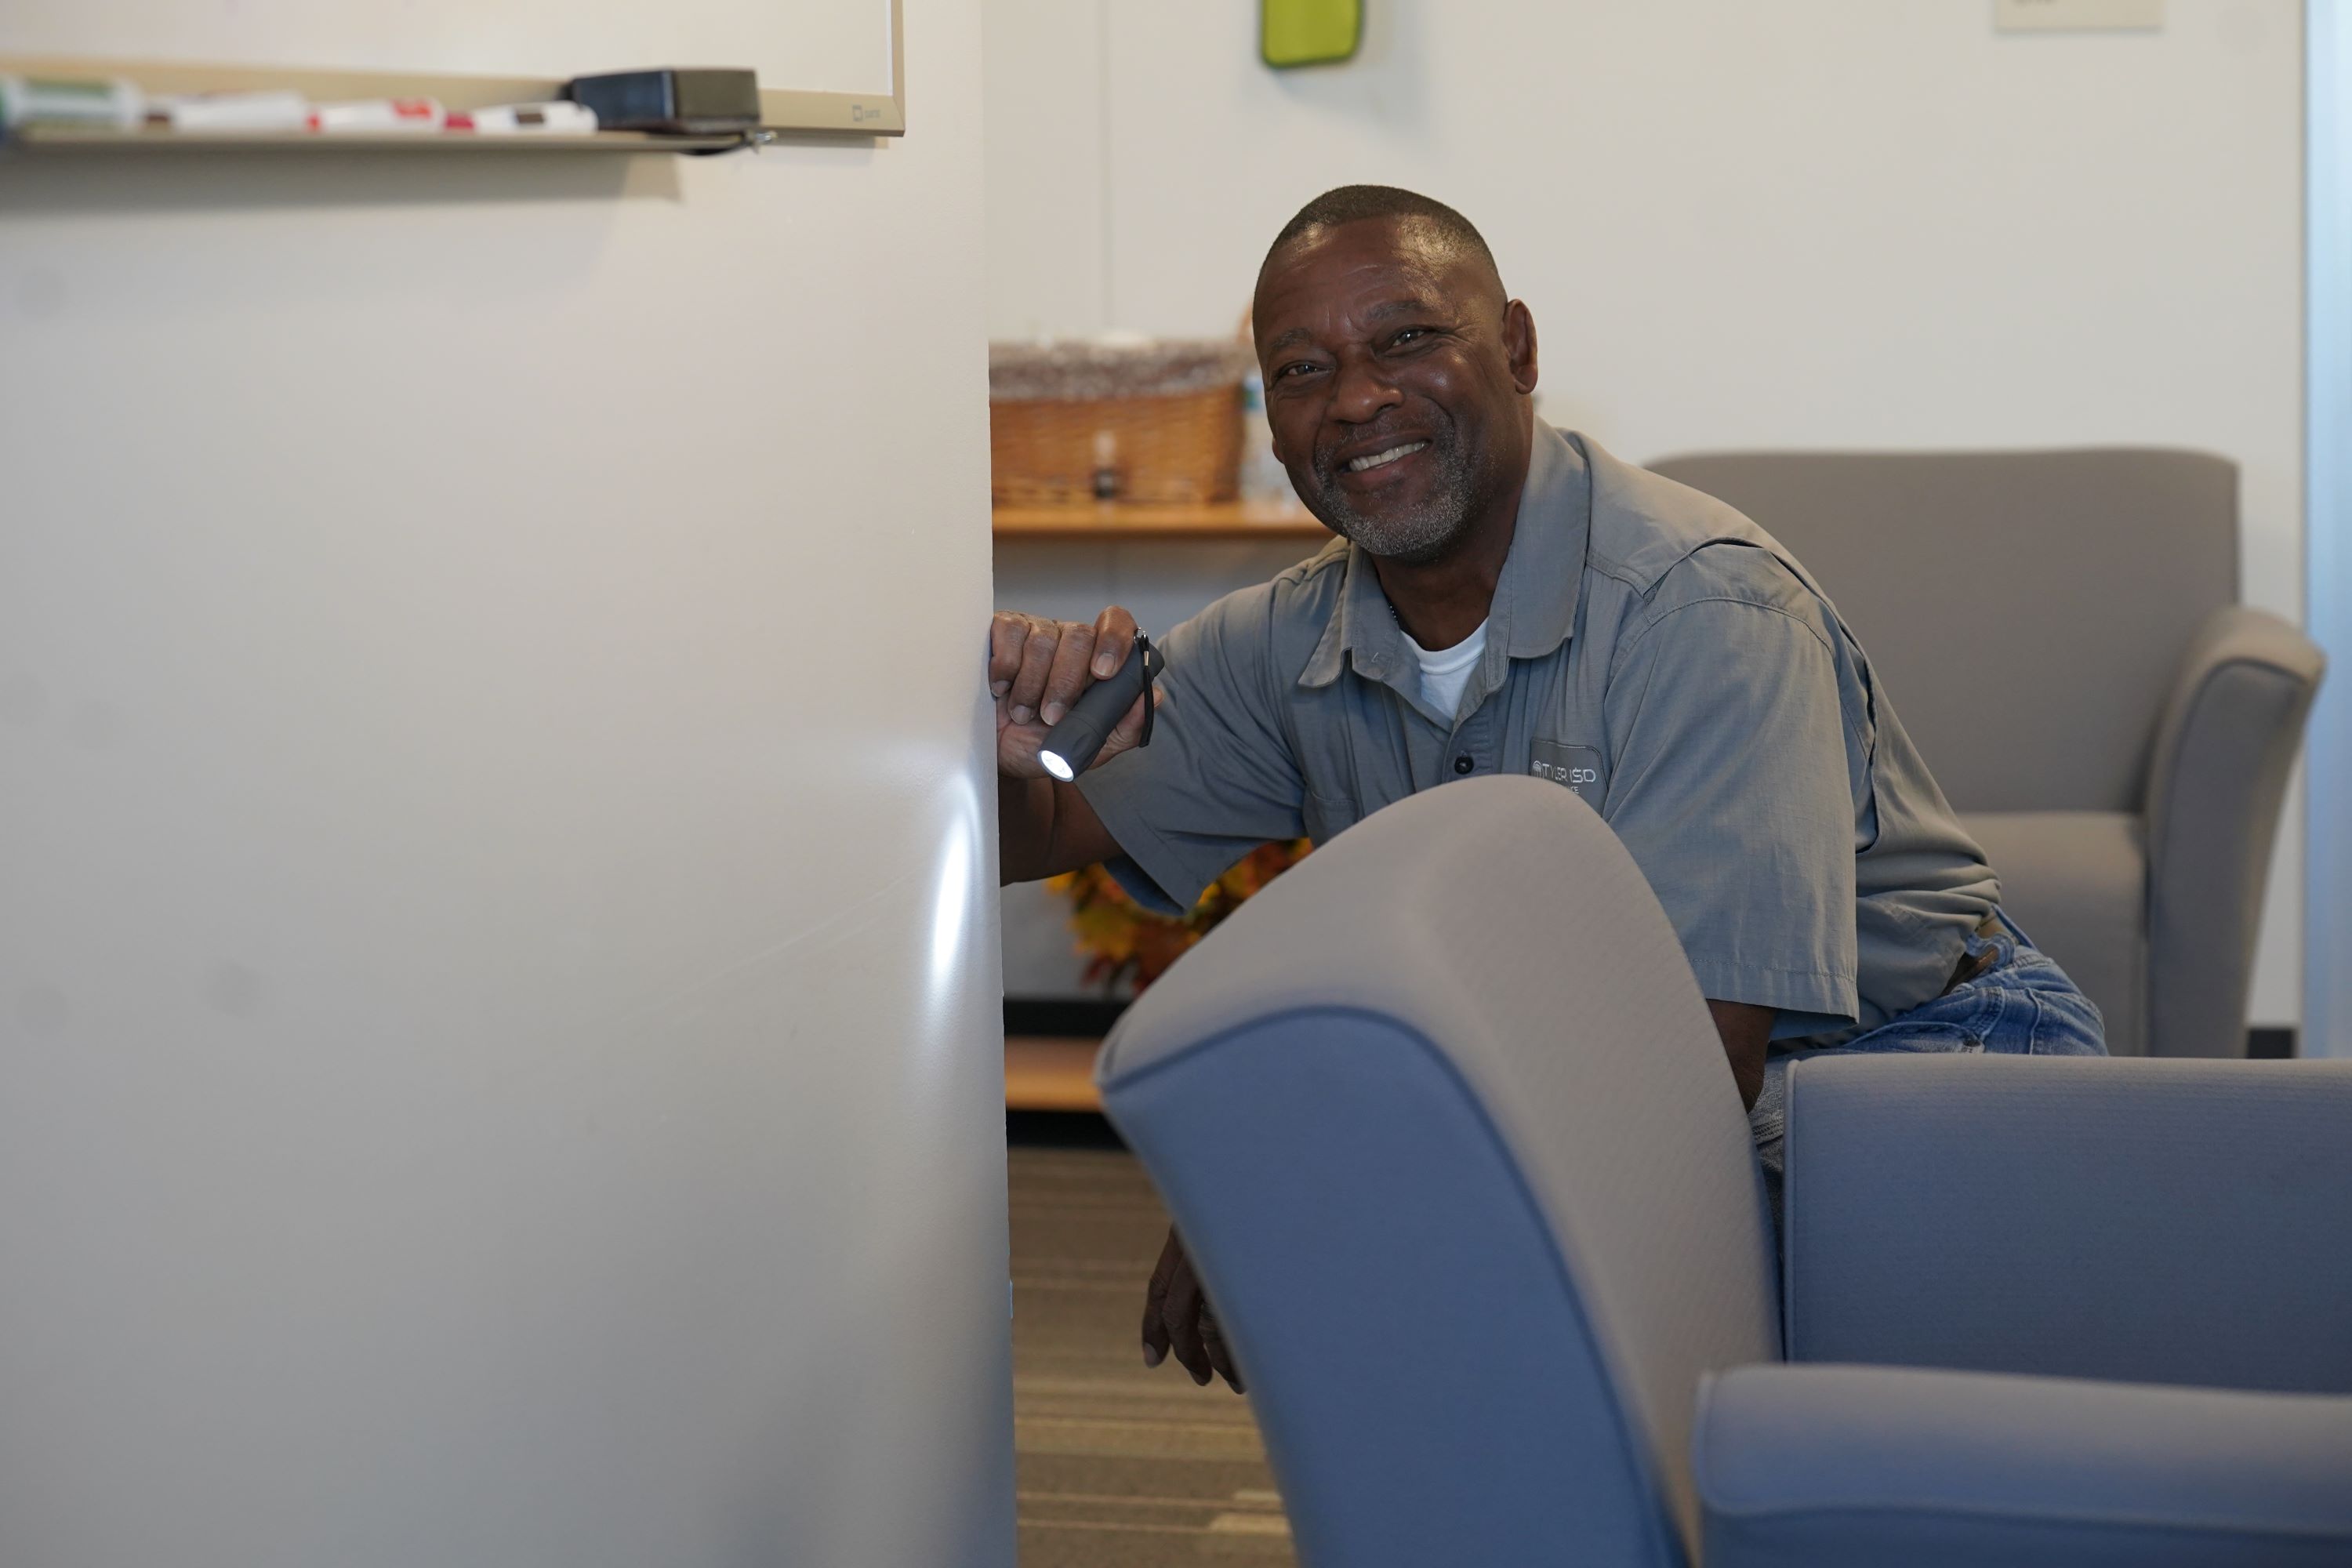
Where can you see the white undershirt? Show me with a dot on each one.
(1445, 673)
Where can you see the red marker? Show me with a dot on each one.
(379, 114)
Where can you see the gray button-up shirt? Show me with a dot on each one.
(1649, 648)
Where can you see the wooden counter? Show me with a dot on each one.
(1050, 1072)
(1111, 521)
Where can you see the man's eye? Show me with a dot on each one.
(1295, 368)
(1407, 336)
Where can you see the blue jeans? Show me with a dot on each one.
(2022, 1005)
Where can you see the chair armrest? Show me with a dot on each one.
(2143, 1220)
(1818, 1466)
(2216, 779)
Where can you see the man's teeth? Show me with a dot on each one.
(1359, 465)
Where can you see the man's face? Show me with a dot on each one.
(1396, 382)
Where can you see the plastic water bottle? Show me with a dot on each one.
(1264, 480)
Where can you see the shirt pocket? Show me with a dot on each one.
(1581, 769)
(1325, 817)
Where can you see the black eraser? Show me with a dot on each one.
(700, 100)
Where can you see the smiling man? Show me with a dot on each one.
(1505, 597)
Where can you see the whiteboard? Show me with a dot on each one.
(799, 45)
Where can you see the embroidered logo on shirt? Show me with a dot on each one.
(1578, 767)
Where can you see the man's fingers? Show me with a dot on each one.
(1114, 637)
(1183, 1318)
(1183, 1315)
(1129, 732)
(1176, 1317)
(1069, 675)
(1155, 1297)
(1028, 688)
(1170, 1310)
(1035, 663)
(1221, 1354)
(1006, 632)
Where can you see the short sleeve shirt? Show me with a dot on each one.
(1650, 651)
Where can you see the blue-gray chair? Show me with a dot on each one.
(2062, 635)
(1443, 1120)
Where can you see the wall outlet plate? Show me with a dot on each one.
(2077, 15)
(1308, 32)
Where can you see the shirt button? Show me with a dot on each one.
(1463, 765)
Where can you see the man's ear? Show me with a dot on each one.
(1519, 344)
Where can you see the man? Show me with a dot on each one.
(1506, 597)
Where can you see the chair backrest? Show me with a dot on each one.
(1447, 1129)
(2027, 612)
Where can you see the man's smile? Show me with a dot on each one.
(1382, 459)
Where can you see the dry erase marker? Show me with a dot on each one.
(110, 104)
(232, 111)
(379, 114)
(529, 120)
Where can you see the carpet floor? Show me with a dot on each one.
(1119, 1466)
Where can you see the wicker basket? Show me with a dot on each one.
(1158, 424)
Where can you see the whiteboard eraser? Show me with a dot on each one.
(694, 101)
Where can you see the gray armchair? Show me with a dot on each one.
(1444, 1123)
(2061, 634)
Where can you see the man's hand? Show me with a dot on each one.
(1176, 1316)
(1036, 667)
(1747, 1032)
(1176, 1312)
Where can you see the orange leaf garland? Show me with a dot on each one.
(1121, 940)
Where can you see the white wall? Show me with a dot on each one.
(497, 972)
(1820, 223)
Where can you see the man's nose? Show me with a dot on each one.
(1362, 393)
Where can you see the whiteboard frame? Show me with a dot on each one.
(782, 111)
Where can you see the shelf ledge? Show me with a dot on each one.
(782, 111)
(78, 140)
(1110, 522)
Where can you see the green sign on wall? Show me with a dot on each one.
(1308, 32)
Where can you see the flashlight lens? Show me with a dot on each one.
(1056, 766)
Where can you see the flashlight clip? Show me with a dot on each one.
(1150, 681)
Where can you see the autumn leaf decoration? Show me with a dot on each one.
(1121, 940)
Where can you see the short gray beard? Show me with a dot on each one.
(1413, 538)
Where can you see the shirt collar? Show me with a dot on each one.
(1534, 608)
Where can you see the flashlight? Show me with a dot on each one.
(1070, 746)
